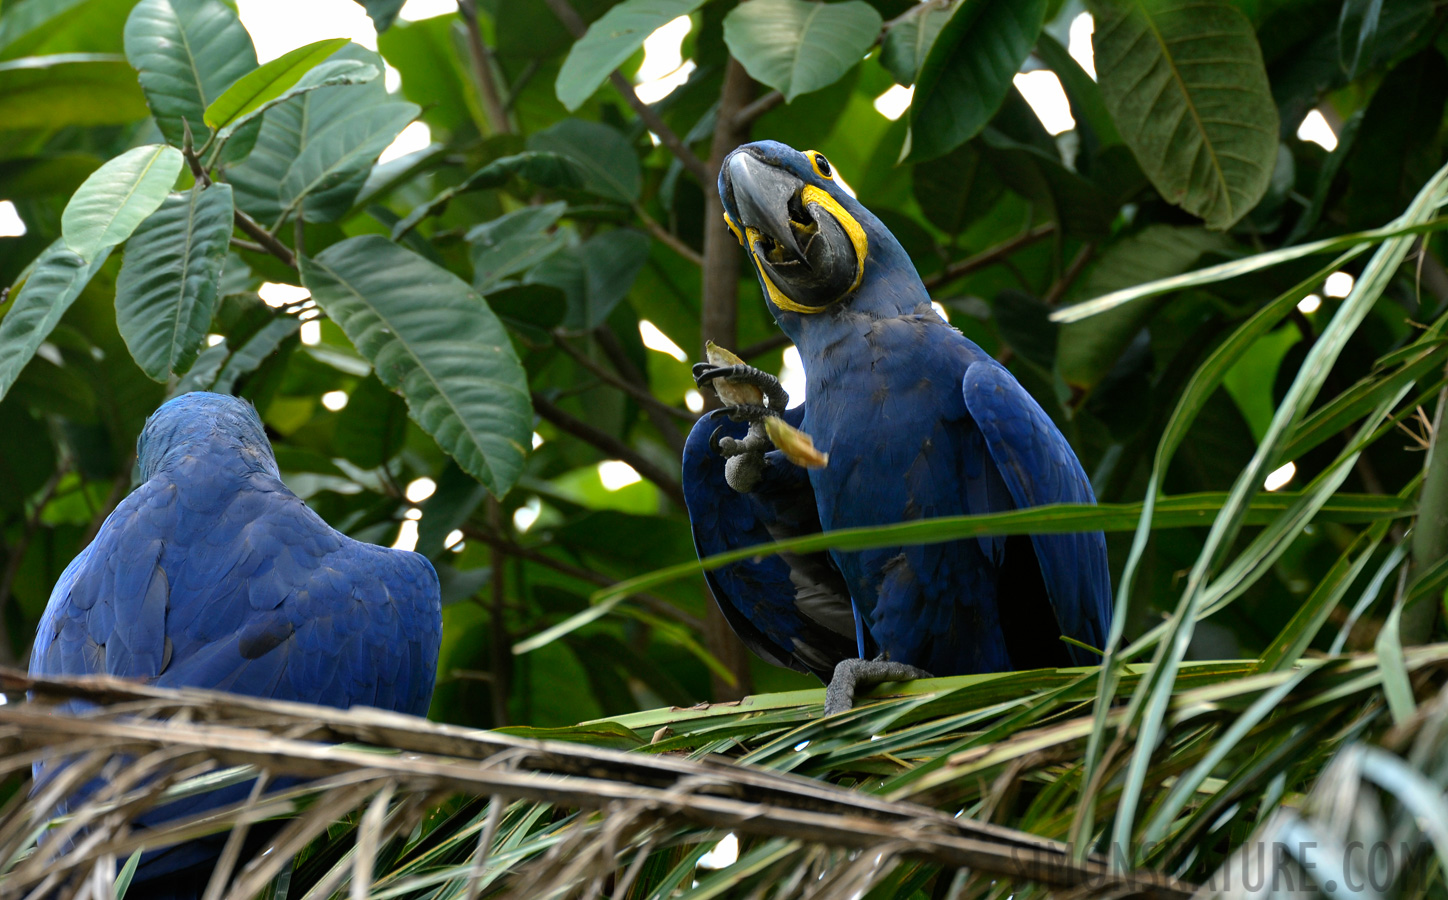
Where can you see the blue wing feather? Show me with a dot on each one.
(1039, 468)
(792, 610)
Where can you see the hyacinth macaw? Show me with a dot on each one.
(917, 422)
(212, 574)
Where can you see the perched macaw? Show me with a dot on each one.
(211, 574)
(917, 422)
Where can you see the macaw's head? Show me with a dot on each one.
(812, 243)
(201, 423)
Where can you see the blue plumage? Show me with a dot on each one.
(918, 422)
(212, 574)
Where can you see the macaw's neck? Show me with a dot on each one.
(890, 288)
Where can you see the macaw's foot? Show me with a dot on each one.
(853, 674)
(744, 404)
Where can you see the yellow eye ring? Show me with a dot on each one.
(821, 165)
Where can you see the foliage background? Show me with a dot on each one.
(493, 286)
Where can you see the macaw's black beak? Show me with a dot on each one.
(799, 245)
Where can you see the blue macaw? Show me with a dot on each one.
(211, 574)
(918, 422)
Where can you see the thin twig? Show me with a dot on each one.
(655, 604)
(609, 445)
(774, 342)
(989, 256)
(673, 241)
(266, 239)
(1073, 271)
(639, 394)
(482, 62)
(574, 23)
(629, 373)
(250, 246)
(746, 116)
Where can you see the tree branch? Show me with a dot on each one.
(989, 256)
(747, 116)
(673, 241)
(640, 394)
(609, 445)
(762, 347)
(654, 604)
(629, 374)
(1068, 277)
(265, 238)
(574, 23)
(482, 63)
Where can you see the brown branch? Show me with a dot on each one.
(673, 241)
(482, 65)
(773, 342)
(639, 394)
(659, 413)
(655, 604)
(501, 664)
(989, 256)
(250, 246)
(574, 23)
(611, 446)
(265, 238)
(747, 116)
(1068, 277)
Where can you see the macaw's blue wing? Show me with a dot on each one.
(793, 609)
(214, 575)
(1071, 583)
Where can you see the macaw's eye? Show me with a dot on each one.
(821, 165)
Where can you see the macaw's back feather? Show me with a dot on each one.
(918, 422)
(212, 574)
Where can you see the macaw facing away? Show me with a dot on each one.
(918, 422)
(212, 574)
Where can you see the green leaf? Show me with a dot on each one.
(117, 197)
(1081, 207)
(906, 45)
(167, 287)
(186, 53)
(513, 243)
(269, 81)
(254, 351)
(956, 189)
(382, 12)
(288, 128)
(330, 73)
(429, 334)
(51, 92)
(550, 170)
(372, 426)
(595, 275)
(1186, 86)
(1091, 347)
(609, 165)
(610, 41)
(1357, 32)
(57, 279)
(333, 166)
(969, 72)
(795, 46)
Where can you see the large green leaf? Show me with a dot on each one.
(1185, 84)
(329, 172)
(167, 287)
(608, 161)
(288, 128)
(117, 197)
(513, 243)
(429, 334)
(595, 275)
(382, 12)
(969, 71)
(52, 92)
(58, 277)
(610, 41)
(550, 170)
(268, 82)
(795, 46)
(908, 42)
(186, 52)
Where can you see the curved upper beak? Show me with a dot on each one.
(762, 194)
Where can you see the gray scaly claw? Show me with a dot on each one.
(744, 459)
(853, 674)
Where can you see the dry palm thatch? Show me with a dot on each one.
(151, 744)
(888, 800)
